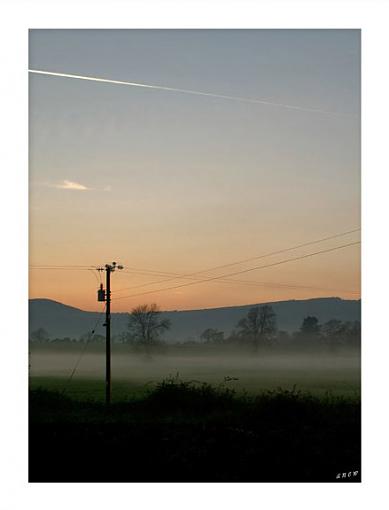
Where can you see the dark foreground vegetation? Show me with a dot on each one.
(190, 432)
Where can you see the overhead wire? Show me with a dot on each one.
(241, 282)
(249, 259)
(55, 266)
(301, 257)
(89, 338)
(221, 278)
(224, 280)
(58, 268)
(95, 275)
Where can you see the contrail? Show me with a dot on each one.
(188, 91)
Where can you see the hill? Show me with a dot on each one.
(61, 320)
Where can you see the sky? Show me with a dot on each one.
(171, 182)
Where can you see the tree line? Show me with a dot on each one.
(257, 330)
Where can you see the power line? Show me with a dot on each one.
(179, 276)
(242, 261)
(55, 266)
(91, 335)
(58, 268)
(98, 280)
(301, 257)
(224, 280)
(247, 282)
(174, 276)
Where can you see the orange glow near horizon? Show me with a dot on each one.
(296, 280)
(173, 182)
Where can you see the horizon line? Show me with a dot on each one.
(201, 309)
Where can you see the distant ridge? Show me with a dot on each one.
(61, 320)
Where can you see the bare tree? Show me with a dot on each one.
(337, 333)
(259, 326)
(310, 326)
(212, 336)
(40, 335)
(146, 325)
(333, 331)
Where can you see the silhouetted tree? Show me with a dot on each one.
(333, 332)
(40, 335)
(123, 338)
(213, 336)
(308, 336)
(64, 340)
(353, 334)
(259, 326)
(310, 326)
(92, 338)
(332, 328)
(146, 325)
(337, 333)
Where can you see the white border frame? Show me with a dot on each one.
(17, 17)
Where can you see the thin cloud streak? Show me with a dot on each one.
(192, 92)
(70, 185)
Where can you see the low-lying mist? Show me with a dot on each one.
(315, 371)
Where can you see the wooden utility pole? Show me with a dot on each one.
(108, 270)
(105, 295)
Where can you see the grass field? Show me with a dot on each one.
(134, 376)
(193, 414)
(195, 433)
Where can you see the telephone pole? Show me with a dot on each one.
(108, 270)
(105, 295)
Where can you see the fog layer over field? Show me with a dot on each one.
(317, 372)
